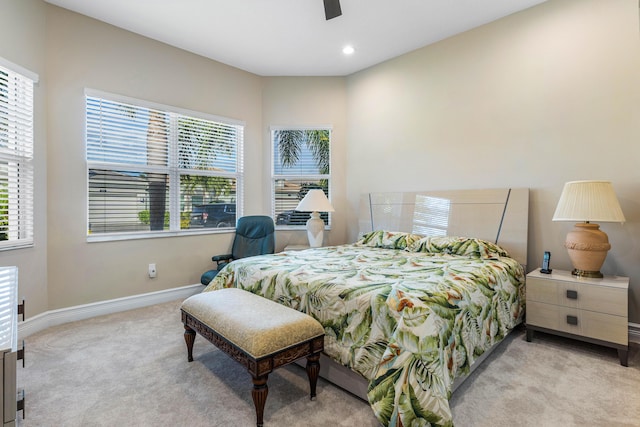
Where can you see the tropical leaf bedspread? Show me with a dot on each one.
(409, 313)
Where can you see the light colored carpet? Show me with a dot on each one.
(131, 369)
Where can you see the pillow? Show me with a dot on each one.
(388, 239)
(464, 246)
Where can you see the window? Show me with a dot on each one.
(16, 156)
(154, 169)
(301, 161)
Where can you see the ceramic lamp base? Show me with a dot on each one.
(315, 230)
(587, 246)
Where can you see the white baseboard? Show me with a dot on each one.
(634, 333)
(80, 312)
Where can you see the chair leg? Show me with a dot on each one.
(313, 369)
(259, 395)
(189, 338)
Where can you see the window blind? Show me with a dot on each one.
(301, 162)
(126, 134)
(155, 169)
(207, 145)
(16, 159)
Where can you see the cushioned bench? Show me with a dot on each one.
(260, 334)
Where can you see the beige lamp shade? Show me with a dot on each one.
(315, 201)
(588, 201)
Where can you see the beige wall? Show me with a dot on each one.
(539, 98)
(310, 101)
(127, 64)
(22, 41)
(85, 53)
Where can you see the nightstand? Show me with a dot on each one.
(592, 310)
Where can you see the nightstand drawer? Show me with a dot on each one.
(589, 309)
(590, 324)
(602, 299)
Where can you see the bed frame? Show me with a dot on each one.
(497, 215)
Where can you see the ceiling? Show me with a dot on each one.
(292, 37)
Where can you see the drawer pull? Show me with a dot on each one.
(21, 309)
(20, 404)
(572, 294)
(572, 320)
(21, 354)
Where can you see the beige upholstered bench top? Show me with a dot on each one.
(260, 334)
(253, 323)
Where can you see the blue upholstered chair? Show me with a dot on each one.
(255, 235)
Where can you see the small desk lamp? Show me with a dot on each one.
(588, 201)
(315, 201)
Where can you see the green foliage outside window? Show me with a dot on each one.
(145, 218)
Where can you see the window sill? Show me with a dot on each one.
(112, 237)
(9, 246)
(298, 227)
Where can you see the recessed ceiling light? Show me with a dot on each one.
(348, 50)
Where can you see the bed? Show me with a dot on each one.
(406, 313)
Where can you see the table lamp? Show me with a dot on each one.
(315, 201)
(588, 201)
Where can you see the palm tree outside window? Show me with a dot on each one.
(301, 162)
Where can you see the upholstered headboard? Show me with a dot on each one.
(497, 215)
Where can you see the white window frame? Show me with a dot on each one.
(172, 170)
(312, 177)
(18, 153)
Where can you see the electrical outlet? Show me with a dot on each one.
(152, 270)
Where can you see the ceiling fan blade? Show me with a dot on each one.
(332, 9)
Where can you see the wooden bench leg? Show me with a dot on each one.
(313, 369)
(259, 395)
(189, 338)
